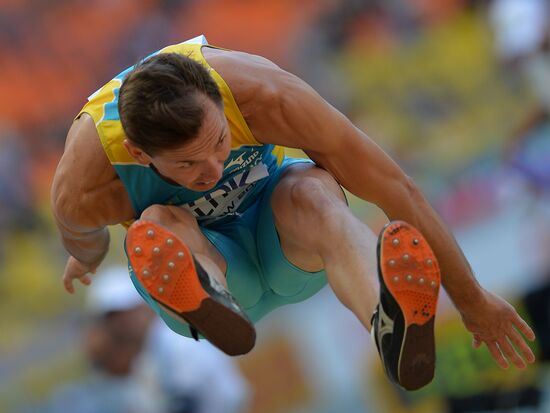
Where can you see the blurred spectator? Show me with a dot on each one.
(521, 28)
(16, 198)
(140, 366)
(522, 38)
(149, 34)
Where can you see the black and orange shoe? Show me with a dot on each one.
(403, 323)
(167, 269)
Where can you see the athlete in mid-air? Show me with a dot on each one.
(186, 149)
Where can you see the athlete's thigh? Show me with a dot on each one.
(302, 200)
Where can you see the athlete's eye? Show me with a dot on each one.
(186, 164)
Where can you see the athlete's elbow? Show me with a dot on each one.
(68, 215)
(411, 191)
(409, 185)
(58, 203)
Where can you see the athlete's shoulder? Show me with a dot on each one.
(83, 144)
(257, 84)
(244, 71)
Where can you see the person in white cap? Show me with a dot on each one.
(140, 366)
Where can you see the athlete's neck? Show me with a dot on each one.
(164, 178)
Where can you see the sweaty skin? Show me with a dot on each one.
(282, 109)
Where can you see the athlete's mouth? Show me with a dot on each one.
(210, 182)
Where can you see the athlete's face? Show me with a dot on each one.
(198, 164)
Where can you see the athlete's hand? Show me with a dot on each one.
(497, 324)
(75, 270)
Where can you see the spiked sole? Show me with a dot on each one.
(166, 268)
(410, 272)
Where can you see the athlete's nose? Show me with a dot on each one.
(214, 169)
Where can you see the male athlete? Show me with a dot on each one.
(187, 149)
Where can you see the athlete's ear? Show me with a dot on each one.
(137, 153)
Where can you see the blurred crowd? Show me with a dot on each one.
(457, 91)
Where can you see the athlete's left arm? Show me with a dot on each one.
(282, 109)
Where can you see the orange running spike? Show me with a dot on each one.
(168, 273)
(166, 268)
(403, 323)
(410, 271)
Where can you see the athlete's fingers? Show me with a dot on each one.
(85, 279)
(521, 345)
(522, 326)
(497, 354)
(68, 283)
(511, 353)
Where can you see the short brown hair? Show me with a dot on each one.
(161, 101)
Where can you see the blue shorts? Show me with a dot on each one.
(258, 274)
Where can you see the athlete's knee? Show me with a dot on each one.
(159, 213)
(182, 223)
(167, 214)
(316, 194)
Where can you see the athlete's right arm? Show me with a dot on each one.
(86, 196)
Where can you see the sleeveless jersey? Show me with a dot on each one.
(248, 163)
